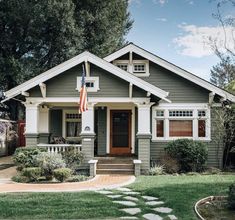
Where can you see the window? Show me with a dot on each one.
(72, 124)
(139, 68)
(123, 66)
(92, 84)
(172, 121)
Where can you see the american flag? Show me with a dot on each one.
(83, 93)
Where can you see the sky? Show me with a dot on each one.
(178, 31)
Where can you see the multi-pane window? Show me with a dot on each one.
(139, 68)
(180, 123)
(123, 66)
(72, 125)
(92, 83)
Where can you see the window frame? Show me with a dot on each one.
(64, 127)
(93, 79)
(166, 107)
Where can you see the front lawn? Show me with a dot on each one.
(178, 192)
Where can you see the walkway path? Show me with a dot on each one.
(7, 169)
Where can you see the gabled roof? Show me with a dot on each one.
(86, 56)
(173, 68)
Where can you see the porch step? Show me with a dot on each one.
(115, 165)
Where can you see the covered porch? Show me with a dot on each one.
(110, 127)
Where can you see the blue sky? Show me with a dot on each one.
(177, 30)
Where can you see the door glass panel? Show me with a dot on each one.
(120, 129)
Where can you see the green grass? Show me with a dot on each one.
(182, 192)
(178, 192)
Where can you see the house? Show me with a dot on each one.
(137, 102)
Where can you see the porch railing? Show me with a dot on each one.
(57, 148)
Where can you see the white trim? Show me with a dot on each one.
(86, 56)
(195, 107)
(119, 107)
(90, 100)
(94, 79)
(175, 69)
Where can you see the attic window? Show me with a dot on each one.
(123, 66)
(139, 68)
(92, 84)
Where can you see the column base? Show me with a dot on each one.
(31, 139)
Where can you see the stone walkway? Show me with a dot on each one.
(7, 169)
(137, 206)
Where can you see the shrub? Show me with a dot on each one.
(32, 173)
(49, 162)
(25, 156)
(77, 178)
(72, 158)
(20, 179)
(62, 174)
(191, 155)
(231, 197)
(156, 170)
(213, 170)
(170, 164)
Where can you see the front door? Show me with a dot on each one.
(120, 132)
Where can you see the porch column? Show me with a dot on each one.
(88, 134)
(144, 136)
(31, 128)
(44, 124)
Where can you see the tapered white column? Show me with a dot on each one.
(88, 118)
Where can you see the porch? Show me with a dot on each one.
(110, 127)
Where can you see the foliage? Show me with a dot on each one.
(191, 155)
(49, 162)
(37, 35)
(212, 170)
(156, 170)
(78, 178)
(231, 196)
(72, 158)
(20, 178)
(223, 73)
(62, 174)
(32, 173)
(170, 164)
(26, 156)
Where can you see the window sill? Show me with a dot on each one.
(172, 139)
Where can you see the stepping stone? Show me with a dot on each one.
(126, 203)
(151, 216)
(114, 196)
(172, 217)
(105, 192)
(128, 217)
(131, 193)
(163, 210)
(123, 189)
(130, 198)
(149, 198)
(154, 203)
(132, 211)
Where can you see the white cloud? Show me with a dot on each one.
(161, 19)
(161, 2)
(195, 41)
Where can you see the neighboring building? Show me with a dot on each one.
(137, 102)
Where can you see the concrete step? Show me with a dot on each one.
(115, 171)
(115, 160)
(115, 166)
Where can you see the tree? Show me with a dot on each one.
(223, 73)
(37, 35)
(105, 24)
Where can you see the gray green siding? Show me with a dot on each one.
(101, 131)
(215, 154)
(64, 85)
(55, 122)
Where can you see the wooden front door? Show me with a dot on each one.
(120, 132)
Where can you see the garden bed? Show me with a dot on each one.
(214, 208)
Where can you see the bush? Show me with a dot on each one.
(49, 162)
(20, 179)
(62, 174)
(78, 178)
(156, 170)
(170, 164)
(25, 156)
(213, 170)
(32, 173)
(72, 158)
(191, 155)
(231, 197)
